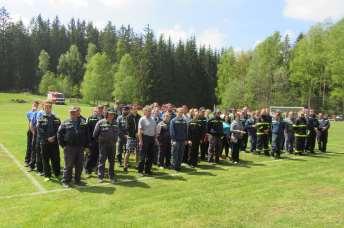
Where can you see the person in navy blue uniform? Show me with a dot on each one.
(324, 125)
(250, 126)
(215, 134)
(277, 137)
(313, 125)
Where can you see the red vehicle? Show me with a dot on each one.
(56, 97)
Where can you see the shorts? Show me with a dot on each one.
(131, 144)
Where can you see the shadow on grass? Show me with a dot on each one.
(292, 159)
(209, 166)
(97, 189)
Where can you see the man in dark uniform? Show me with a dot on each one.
(300, 128)
(195, 135)
(277, 130)
(324, 125)
(263, 130)
(164, 141)
(106, 133)
(204, 142)
(47, 126)
(92, 156)
(250, 126)
(215, 134)
(313, 125)
(122, 122)
(73, 136)
(244, 117)
(131, 147)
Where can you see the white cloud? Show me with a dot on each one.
(314, 10)
(212, 37)
(18, 17)
(65, 3)
(176, 33)
(117, 4)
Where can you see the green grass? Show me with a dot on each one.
(298, 191)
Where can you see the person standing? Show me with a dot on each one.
(195, 136)
(202, 119)
(277, 130)
(243, 119)
(237, 132)
(30, 132)
(215, 134)
(179, 137)
(263, 131)
(250, 126)
(227, 133)
(73, 136)
(47, 126)
(122, 122)
(106, 133)
(164, 141)
(300, 128)
(324, 125)
(131, 147)
(289, 133)
(313, 125)
(147, 137)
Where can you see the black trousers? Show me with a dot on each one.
(300, 144)
(106, 152)
(165, 154)
(263, 143)
(146, 154)
(236, 150)
(29, 141)
(244, 141)
(193, 152)
(322, 140)
(50, 154)
(204, 148)
(225, 145)
(311, 141)
(92, 157)
(122, 142)
(73, 159)
(36, 156)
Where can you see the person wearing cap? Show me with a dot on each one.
(73, 136)
(179, 137)
(131, 146)
(215, 134)
(106, 133)
(203, 121)
(277, 130)
(300, 128)
(122, 122)
(147, 137)
(47, 126)
(93, 154)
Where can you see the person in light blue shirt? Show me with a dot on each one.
(227, 132)
(30, 133)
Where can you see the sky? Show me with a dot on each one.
(241, 24)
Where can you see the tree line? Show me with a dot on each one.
(309, 72)
(117, 63)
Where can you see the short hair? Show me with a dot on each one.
(47, 103)
(147, 108)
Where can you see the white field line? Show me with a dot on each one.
(38, 186)
(86, 186)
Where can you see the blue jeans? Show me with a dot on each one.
(177, 154)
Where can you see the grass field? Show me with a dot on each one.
(297, 191)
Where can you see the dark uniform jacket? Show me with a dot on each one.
(47, 126)
(164, 135)
(312, 123)
(91, 124)
(300, 127)
(195, 131)
(122, 122)
(215, 127)
(133, 122)
(73, 133)
(106, 132)
(263, 125)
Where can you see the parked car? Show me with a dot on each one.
(56, 97)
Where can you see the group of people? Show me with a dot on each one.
(164, 135)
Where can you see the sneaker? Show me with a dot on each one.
(79, 183)
(141, 174)
(161, 167)
(113, 181)
(100, 181)
(235, 163)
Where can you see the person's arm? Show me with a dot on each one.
(140, 132)
(172, 133)
(96, 130)
(60, 135)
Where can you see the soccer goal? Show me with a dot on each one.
(284, 109)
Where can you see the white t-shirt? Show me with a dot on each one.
(147, 125)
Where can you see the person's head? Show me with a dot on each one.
(147, 111)
(226, 118)
(166, 117)
(263, 112)
(301, 114)
(110, 114)
(78, 111)
(133, 109)
(217, 113)
(321, 115)
(73, 113)
(290, 115)
(201, 112)
(35, 105)
(185, 109)
(125, 110)
(237, 116)
(47, 106)
(278, 115)
(95, 111)
(100, 109)
(180, 112)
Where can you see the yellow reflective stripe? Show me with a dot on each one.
(299, 125)
(297, 135)
(259, 133)
(262, 123)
